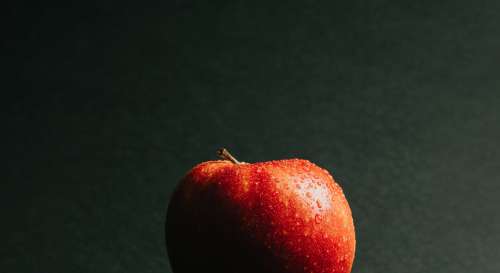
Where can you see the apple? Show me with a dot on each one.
(282, 216)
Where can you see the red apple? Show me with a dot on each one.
(284, 216)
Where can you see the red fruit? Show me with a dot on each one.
(284, 216)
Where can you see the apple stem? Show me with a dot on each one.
(224, 154)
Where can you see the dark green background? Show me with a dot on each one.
(110, 104)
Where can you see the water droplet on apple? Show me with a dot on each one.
(308, 194)
(318, 203)
(317, 219)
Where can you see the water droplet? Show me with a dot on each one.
(308, 194)
(318, 203)
(317, 219)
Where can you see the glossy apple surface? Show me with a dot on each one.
(284, 216)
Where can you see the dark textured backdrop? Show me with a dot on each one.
(110, 104)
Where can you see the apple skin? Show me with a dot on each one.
(283, 216)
